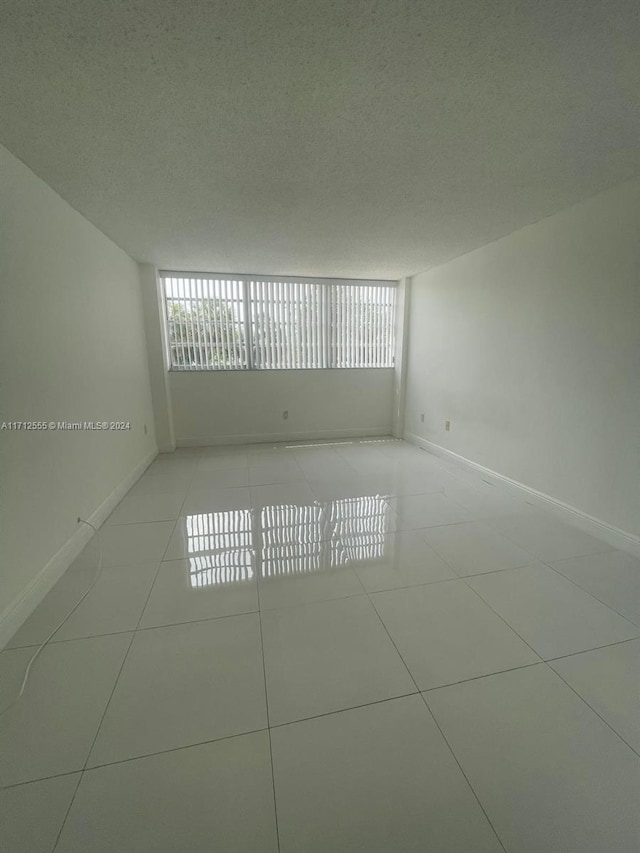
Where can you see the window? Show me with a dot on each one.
(257, 323)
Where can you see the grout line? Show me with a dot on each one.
(38, 779)
(455, 758)
(275, 726)
(375, 610)
(54, 642)
(107, 526)
(441, 732)
(124, 660)
(369, 592)
(593, 649)
(145, 628)
(99, 726)
(502, 619)
(173, 530)
(205, 742)
(266, 704)
(171, 749)
(343, 710)
(485, 675)
(548, 661)
(508, 624)
(545, 514)
(66, 814)
(315, 600)
(597, 713)
(307, 481)
(582, 589)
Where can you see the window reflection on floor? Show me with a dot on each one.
(236, 545)
(220, 546)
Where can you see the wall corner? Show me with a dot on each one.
(403, 301)
(155, 334)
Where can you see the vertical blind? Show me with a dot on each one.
(219, 322)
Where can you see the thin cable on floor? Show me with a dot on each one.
(27, 671)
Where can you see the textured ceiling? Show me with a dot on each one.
(319, 137)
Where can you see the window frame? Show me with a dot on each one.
(245, 280)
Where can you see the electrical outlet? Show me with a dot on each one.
(285, 415)
(447, 425)
(421, 417)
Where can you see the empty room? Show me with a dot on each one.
(320, 426)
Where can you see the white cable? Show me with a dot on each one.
(60, 624)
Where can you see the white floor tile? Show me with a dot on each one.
(362, 456)
(135, 509)
(31, 815)
(200, 501)
(484, 501)
(365, 459)
(168, 463)
(609, 681)
(346, 485)
(51, 728)
(113, 605)
(360, 524)
(553, 615)
(321, 464)
(268, 448)
(546, 537)
(184, 685)
(284, 470)
(445, 634)
(150, 484)
(282, 494)
(374, 780)
(403, 559)
(473, 548)
(220, 457)
(219, 478)
(290, 524)
(326, 657)
(201, 534)
(395, 448)
(188, 590)
(612, 577)
(417, 511)
(264, 454)
(551, 775)
(318, 535)
(308, 576)
(212, 797)
(130, 544)
(400, 481)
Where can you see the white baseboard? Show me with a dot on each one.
(614, 536)
(22, 607)
(258, 438)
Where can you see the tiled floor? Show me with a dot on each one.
(347, 647)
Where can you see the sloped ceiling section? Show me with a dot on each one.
(320, 137)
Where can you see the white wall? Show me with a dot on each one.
(247, 405)
(72, 349)
(531, 347)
